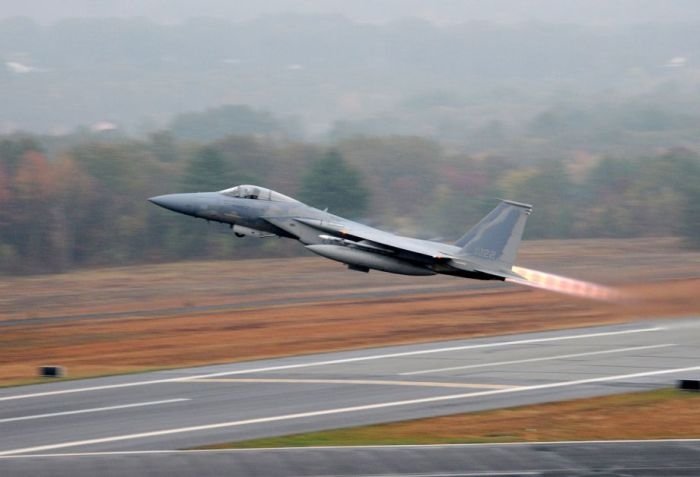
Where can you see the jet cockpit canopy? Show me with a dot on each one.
(254, 192)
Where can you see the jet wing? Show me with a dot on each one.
(375, 238)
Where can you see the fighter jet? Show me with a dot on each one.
(487, 251)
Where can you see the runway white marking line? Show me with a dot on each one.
(430, 384)
(343, 410)
(532, 360)
(95, 409)
(337, 447)
(335, 361)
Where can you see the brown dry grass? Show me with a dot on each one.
(333, 309)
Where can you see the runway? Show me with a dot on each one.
(600, 459)
(190, 407)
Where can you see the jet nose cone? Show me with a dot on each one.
(175, 202)
(161, 200)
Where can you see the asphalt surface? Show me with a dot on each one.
(190, 407)
(599, 459)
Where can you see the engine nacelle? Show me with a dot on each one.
(364, 259)
(242, 231)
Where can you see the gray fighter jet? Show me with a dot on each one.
(486, 252)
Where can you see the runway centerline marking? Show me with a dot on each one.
(343, 410)
(335, 361)
(95, 409)
(533, 360)
(431, 384)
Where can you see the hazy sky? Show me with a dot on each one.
(442, 11)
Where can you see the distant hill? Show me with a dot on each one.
(139, 74)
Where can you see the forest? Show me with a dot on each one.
(82, 202)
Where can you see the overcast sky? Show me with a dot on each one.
(442, 11)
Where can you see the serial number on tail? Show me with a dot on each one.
(486, 253)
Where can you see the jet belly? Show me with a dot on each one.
(364, 259)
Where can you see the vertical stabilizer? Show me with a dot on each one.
(497, 236)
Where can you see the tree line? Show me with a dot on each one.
(83, 203)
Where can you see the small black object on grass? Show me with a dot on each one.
(52, 371)
(689, 385)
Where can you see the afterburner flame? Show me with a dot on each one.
(568, 286)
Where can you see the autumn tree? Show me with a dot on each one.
(401, 171)
(13, 149)
(28, 226)
(206, 171)
(332, 183)
(548, 188)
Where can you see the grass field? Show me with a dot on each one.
(130, 319)
(661, 414)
